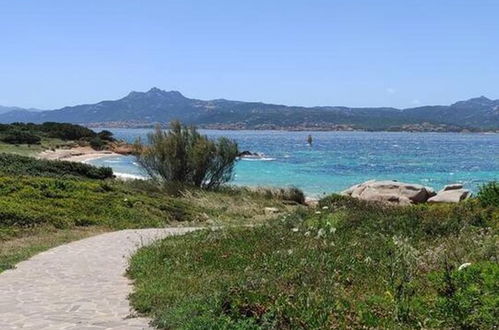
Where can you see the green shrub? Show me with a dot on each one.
(22, 165)
(106, 135)
(182, 155)
(21, 137)
(489, 194)
(66, 131)
(64, 203)
(97, 143)
(469, 297)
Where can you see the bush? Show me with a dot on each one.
(97, 143)
(469, 298)
(489, 194)
(21, 165)
(106, 135)
(21, 137)
(66, 131)
(182, 155)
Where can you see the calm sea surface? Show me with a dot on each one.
(337, 160)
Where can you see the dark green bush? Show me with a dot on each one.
(489, 194)
(106, 135)
(21, 137)
(97, 143)
(21, 165)
(67, 131)
(182, 155)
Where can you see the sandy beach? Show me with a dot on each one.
(78, 154)
(83, 155)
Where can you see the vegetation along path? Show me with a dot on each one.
(80, 285)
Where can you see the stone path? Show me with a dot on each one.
(80, 285)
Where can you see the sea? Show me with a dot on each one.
(337, 160)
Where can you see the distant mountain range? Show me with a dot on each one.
(4, 109)
(142, 109)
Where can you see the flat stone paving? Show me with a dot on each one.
(80, 285)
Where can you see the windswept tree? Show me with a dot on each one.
(182, 155)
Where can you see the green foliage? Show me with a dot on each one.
(97, 143)
(22, 165)
(345, 264)
(66, 131)
(20, 137)
(64, 203)
(489, 194)
(182, 155)
(468, 298)
(22, 133)
(106, 135)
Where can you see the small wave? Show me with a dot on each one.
(264, 159)
(127, 176)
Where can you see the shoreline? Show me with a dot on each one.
(78, 154)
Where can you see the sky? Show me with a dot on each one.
(399, 53)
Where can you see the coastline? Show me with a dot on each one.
(78, 154)
(84, 155)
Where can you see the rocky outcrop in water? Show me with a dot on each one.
(401, 193)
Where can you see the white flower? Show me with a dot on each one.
(463, 266)
(325, 207)
(321, 233)
(294, 230)
(317, 212)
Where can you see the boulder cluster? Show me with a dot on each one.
(391, 191)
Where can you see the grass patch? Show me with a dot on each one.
(33, 208)
(346, 264)
(34, 149)
(11, 164)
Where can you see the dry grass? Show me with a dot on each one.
(238, 206)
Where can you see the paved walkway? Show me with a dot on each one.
(80, 285)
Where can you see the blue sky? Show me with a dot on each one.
(357, 53)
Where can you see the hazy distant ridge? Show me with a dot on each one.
(155, 105)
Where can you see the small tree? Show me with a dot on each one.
(182, 155)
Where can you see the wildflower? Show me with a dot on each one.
(294, 230)
(317, 212)
(325, 207)
(321, 233)
(463, 266)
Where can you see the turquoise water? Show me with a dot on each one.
(337, 160)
